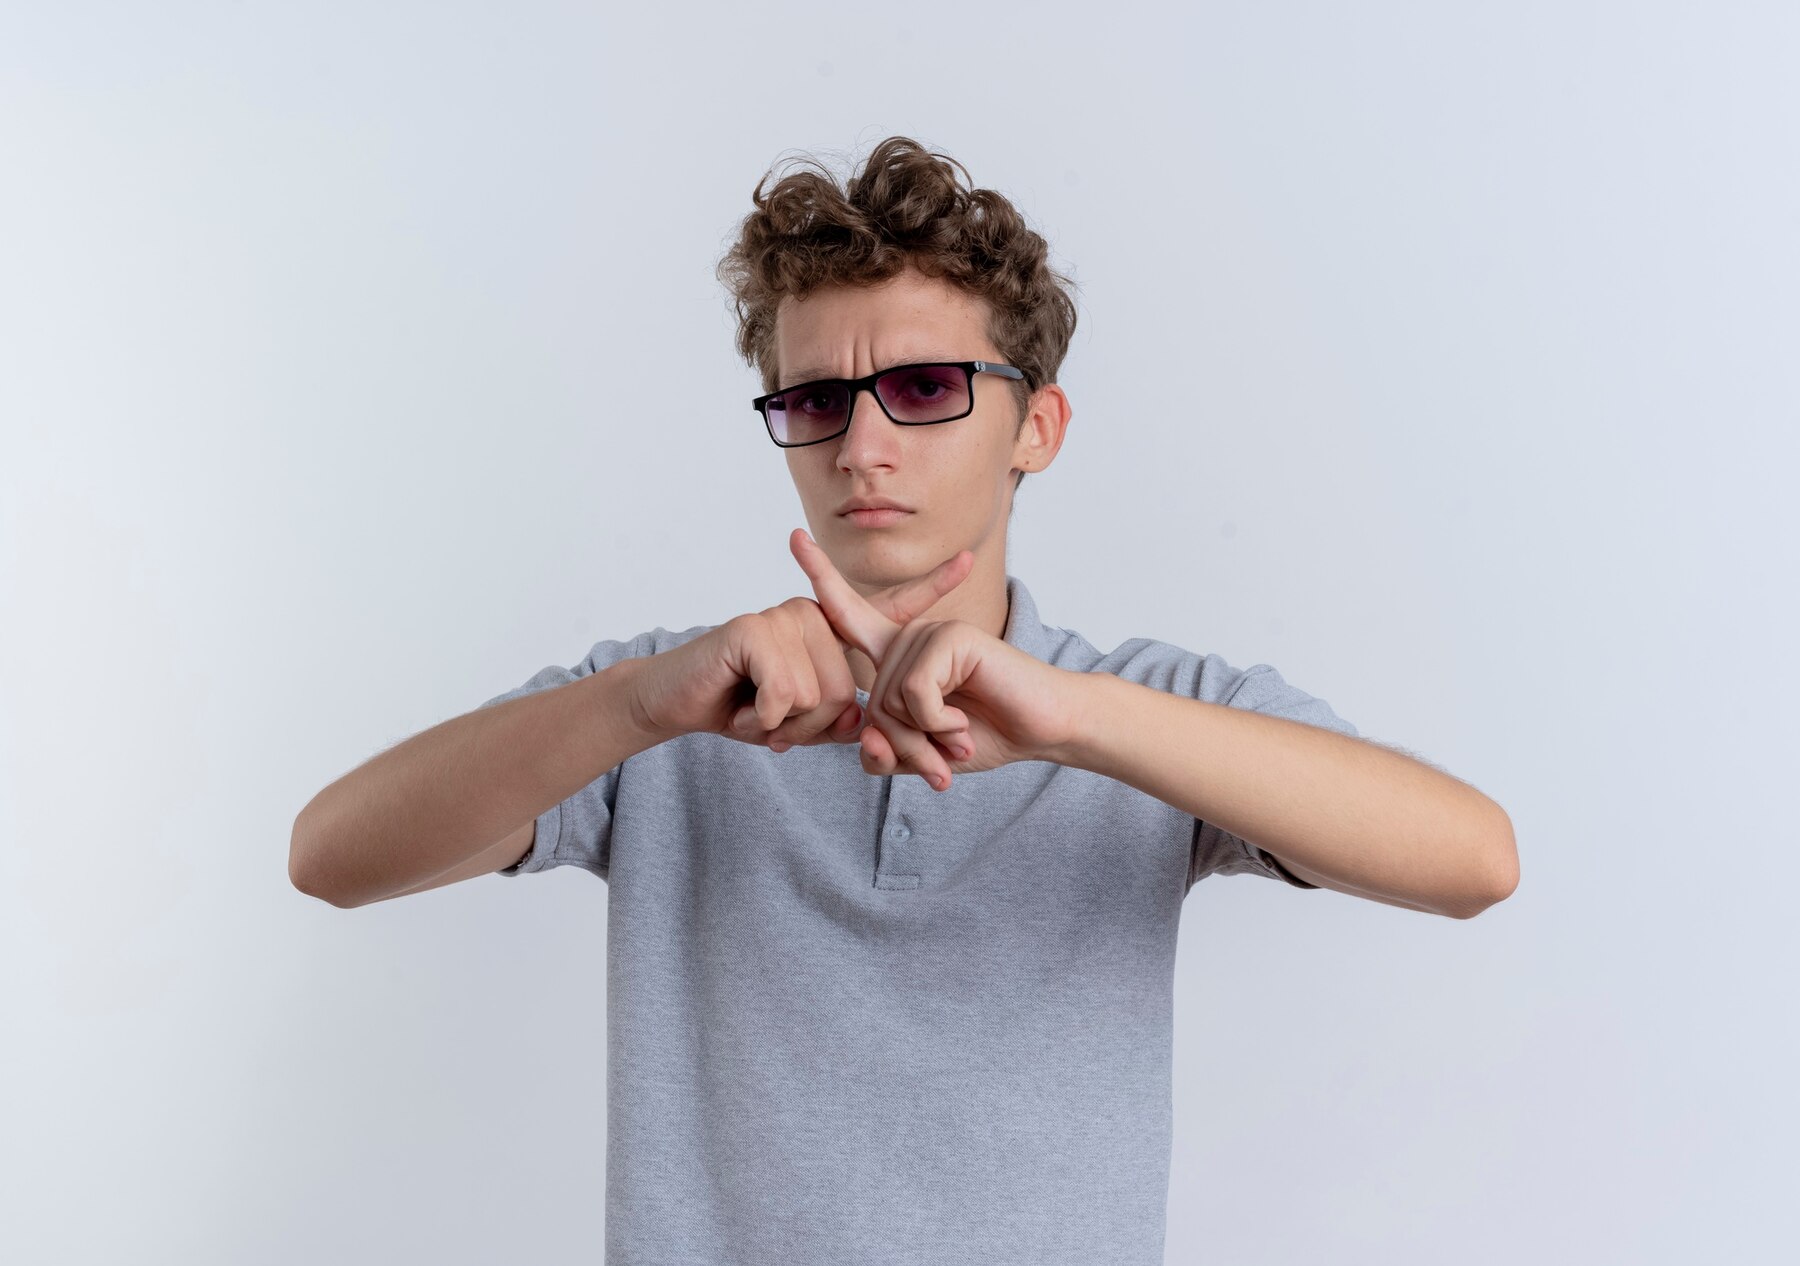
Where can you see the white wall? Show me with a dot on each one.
(1440, 355)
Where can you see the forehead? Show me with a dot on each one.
(837, 329)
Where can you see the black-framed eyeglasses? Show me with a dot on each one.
(912, 395)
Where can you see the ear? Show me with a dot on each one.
(1042, 429)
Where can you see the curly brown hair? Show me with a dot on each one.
(906, 206)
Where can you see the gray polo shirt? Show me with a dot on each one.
(854, 1020)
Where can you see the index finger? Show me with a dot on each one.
(869, 624)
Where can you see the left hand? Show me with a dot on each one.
(957, 698)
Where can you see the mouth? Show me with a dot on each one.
(874, 518)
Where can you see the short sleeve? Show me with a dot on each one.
(577, 832)
(1260, 688)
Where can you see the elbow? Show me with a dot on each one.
(303, 866)
(1500, 873)
(299, 868)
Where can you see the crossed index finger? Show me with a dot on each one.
(870, 624)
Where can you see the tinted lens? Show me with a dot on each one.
(925, 393)
(806, 414)
(916, 393)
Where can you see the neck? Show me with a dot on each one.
(981, 599)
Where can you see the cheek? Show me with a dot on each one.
(812, 477)
(977, 467)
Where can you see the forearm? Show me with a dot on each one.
(1351, 811)
(432, 802)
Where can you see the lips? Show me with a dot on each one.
(875, 519)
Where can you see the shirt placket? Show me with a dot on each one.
(899, 860)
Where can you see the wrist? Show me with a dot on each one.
(617, 687)
(1084, 706)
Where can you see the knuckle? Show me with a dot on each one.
(918, 698)
(754, 626)
(778, 620)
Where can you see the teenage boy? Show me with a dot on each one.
(895, 869)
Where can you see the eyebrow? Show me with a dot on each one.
(916, 358)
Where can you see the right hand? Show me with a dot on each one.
(780, 674)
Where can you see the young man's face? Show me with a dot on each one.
(954, 478)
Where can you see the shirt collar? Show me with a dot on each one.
(1023, 627)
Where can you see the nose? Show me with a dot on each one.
(870, 435)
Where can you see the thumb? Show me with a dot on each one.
(843, 730)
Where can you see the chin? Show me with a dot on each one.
(879, 561)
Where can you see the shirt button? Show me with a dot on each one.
(900, 832)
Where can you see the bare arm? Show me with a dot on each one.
(514, 848)
(462, 798)
(1340, 812)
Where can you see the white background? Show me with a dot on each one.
(1442, 356)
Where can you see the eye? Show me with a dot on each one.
(925, 385)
